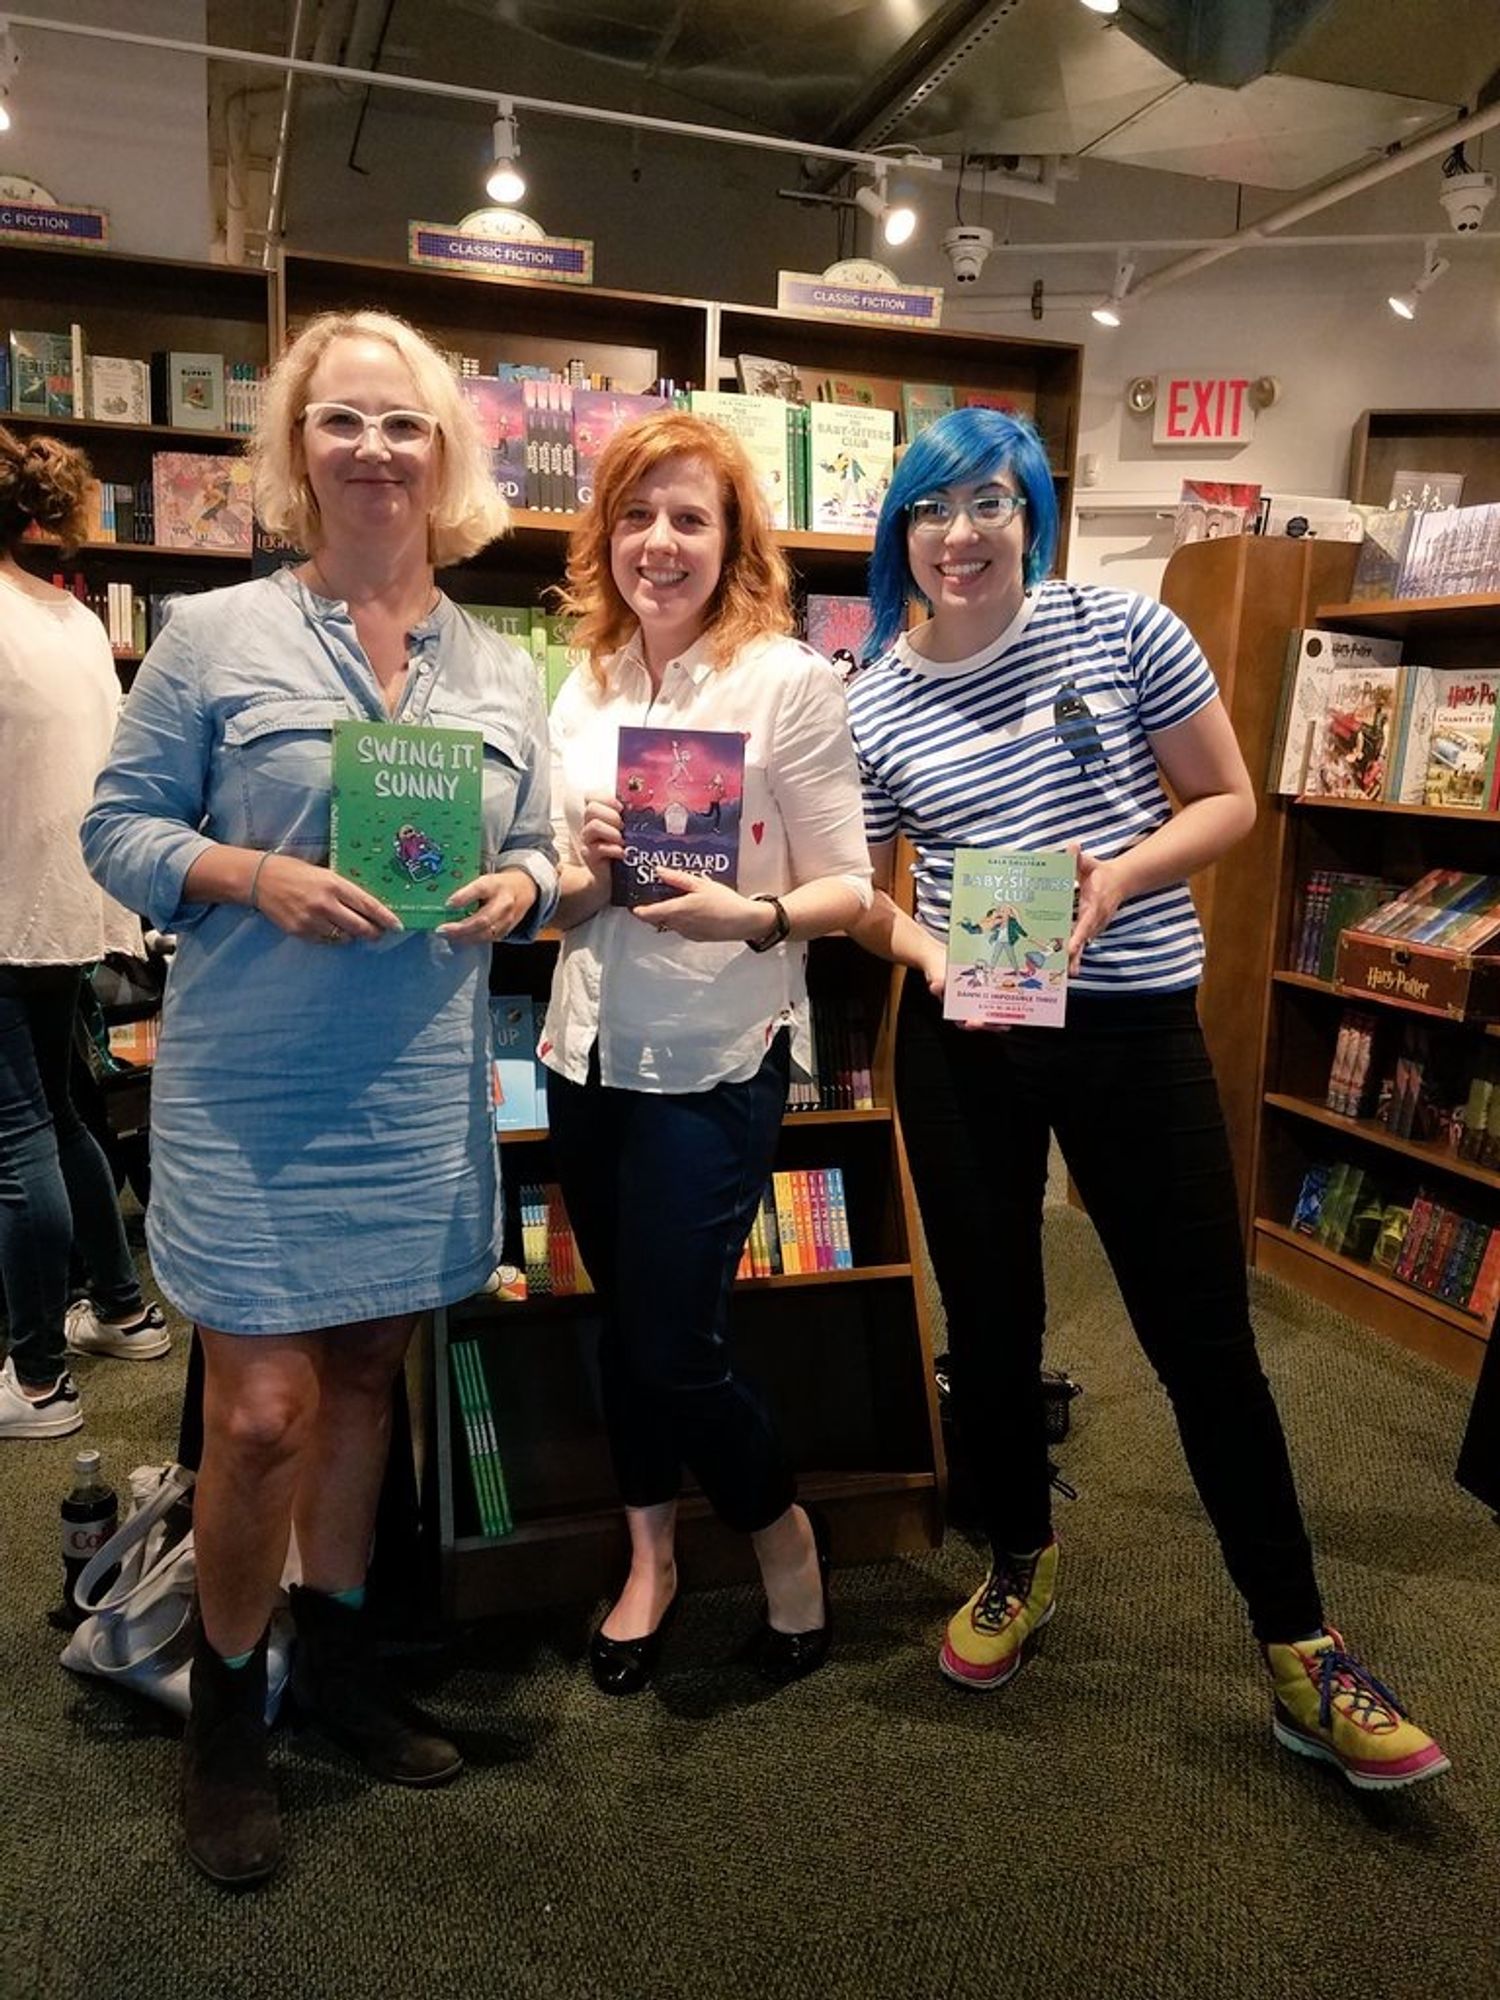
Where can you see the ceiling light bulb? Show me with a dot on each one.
(1106, 315)
(1102, 6)
(4, 113)
(897, 220)
(506, 184)
(1403, 304)
(899, 225)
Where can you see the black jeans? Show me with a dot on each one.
(55, 1184)
(1129, 1090)
(661, 1190)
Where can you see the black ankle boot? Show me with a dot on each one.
(339, 1683)
(228, 1802)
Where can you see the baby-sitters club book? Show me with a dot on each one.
(681, 793)
(1008, 930)
(407, 816)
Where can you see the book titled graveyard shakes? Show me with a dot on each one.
(1008, 931)
(407, 814)
(681, 792)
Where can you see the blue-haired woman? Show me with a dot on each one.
(1030, 713)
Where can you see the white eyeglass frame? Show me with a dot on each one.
(1013, 503)
(368, 423)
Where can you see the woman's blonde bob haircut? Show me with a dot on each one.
(469, 509)
(753, 598)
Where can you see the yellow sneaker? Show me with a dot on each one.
(1329, 1706)
(988, 1640)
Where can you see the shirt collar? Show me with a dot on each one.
(696, 662)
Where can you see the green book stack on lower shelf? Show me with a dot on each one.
(474, 1406)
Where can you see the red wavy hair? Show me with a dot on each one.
(753, 599)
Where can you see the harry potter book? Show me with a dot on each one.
(408, 814)
(1008, 929)
(681, 791)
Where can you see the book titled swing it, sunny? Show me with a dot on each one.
(1008, 930)
(407, 814)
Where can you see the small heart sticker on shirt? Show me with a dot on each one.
(758, 831)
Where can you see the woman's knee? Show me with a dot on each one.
(261, 1428)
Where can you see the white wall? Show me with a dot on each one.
(118, 128)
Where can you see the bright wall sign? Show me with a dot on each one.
(568, 260)
(33, 222)
(1196, 409)
(820, 297)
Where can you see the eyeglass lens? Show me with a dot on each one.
(986, 511)
(399, 429)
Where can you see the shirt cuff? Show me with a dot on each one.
(531, 861)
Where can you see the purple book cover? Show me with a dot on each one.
(681, 792)
(597, 415)
(502, 421)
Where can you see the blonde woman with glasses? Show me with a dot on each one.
(321, 1169)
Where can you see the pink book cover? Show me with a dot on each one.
(202, 501)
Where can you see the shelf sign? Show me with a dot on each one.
(567, 259)
(820, 297)
(35, 222)
(1215, 409)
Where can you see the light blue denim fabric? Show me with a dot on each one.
(321, 1150)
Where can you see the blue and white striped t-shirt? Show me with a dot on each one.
(1037, 741)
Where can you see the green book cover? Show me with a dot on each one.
(408, 814)
(1008, 929)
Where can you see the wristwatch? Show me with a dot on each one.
(779, 931)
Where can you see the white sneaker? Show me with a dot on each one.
(50, 1416)
(141, 1338)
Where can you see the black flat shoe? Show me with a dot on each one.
(625, 1666)
(782, 1657)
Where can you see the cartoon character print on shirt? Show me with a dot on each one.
(1076, 728)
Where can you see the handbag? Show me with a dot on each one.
(139, 1596)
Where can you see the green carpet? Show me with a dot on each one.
(1118, 1823)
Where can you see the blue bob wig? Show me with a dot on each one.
(962, 449)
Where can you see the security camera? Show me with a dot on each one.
(1466, 197)
(967, 246)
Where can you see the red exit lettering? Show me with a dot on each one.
(1194, 409)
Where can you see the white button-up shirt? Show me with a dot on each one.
(671, 1015)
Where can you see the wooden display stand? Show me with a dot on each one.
(845, 1356)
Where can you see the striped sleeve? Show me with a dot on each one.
(1173, 678)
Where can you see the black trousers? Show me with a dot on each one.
(661, 1190)
(1128, 1088)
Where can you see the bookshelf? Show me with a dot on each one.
(1295, 1129)
(1385, 442)
(846, 1355)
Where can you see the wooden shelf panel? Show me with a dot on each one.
(551, 527)
(1425, 1326)
(1306, 982)
(1385, 808)
(1437, 1158)
(484, 1308)
(142, 549)
(1414, 617)
(88, 427)
(529, 1135)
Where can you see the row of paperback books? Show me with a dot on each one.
(1428, 552)
(131, 617)
(839, 1077)
(476, 1412)
(1446, 908)
(193, 500)
(50, 374)
(1355, 722)
(550, 1265)
(135, 1041)
(917, 404)
(1435, 1085)
(802, 1225)
(1331, 902)
(1426, 1244)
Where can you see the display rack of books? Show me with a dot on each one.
(829, 1316)
(1376, 1170)
(1393, 454)
(154, 369)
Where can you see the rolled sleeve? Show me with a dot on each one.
(530, 844)
(815, 778)
(141, 834)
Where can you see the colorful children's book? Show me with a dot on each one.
(759, 422)
(1008, 929)
(597, 415)
(1210, 509)
(1315, 659)
(1352, 737)
(502, 423)
(41, 374)
(682, 791)
(1382, 553)
(119, 390)
(187, 390)
(408, 814)
(202, 501)
(1448, 739)
(922, 403)
(838, 627)
(518, 1101)
(759, 375)
(851, 452)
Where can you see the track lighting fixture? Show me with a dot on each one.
(506, 184)
(1110, 311)
(897, 219)
(1404, 304)
(1102, 6)
(10, 62)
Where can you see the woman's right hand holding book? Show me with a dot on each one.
(312, 902)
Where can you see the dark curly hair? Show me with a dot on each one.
(45, 481)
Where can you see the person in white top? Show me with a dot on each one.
(672, 1027)
(59, 697)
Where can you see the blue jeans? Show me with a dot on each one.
(661, 1191)
(55, 1183)
(1129, 1090)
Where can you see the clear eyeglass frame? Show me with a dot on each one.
(400, 430)
(988, 513)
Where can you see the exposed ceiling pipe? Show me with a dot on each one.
(330, 29)
(276, 202)
(236, 174)
(1430, 148)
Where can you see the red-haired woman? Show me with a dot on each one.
(671, 1027)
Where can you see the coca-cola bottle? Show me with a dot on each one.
(90, 1515)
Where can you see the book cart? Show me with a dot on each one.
(844, 1354)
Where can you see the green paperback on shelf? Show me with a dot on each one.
(407, 814)
(479, 1434)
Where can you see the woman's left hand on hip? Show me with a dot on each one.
(505, 900)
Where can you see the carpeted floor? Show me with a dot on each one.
(1118, 1823)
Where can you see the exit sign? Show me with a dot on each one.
(1194, 409)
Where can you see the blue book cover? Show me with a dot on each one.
(682, 792)
(518, 1100)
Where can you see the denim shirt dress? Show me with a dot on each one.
(320, 1139)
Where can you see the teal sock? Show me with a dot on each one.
(352, 1600)
(234, 1661)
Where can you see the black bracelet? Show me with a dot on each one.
(779, 932)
